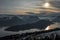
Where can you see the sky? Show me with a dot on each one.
(19, 6)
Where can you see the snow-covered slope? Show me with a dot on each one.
(39, 35)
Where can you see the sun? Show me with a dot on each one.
(46, 5)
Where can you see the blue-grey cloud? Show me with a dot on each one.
(13, 5)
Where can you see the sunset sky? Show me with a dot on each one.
(20, 6)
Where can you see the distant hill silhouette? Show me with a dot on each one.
(5, 21)
(39, 35)
(41, 24)
(31, 19)
(9, 20)
(57, 19)
(53, 14)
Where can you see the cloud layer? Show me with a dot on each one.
(19, 6)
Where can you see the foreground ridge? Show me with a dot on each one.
(41, 35)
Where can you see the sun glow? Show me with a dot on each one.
(46, 5)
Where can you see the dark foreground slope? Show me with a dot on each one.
(41, 24)
(40, 35)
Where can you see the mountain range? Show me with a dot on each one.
(41, 24)
(10, 20)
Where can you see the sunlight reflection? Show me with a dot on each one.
(47, 28)
(53, 26)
